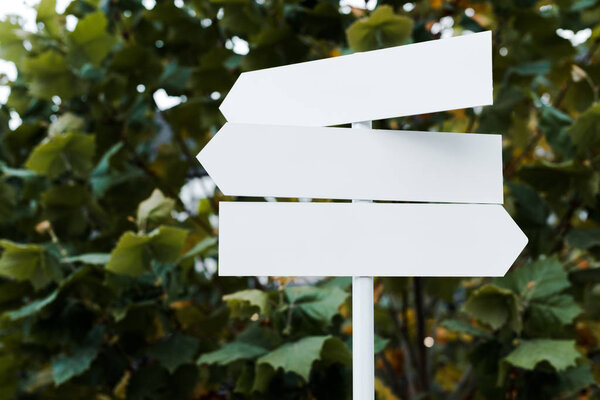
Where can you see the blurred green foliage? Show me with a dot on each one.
(107, 289)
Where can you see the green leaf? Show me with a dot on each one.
(555, 310)
(9, 376)
(299, 356)
(262, 378)
(154, 209)
(46, 14)
(11, 42)
(381, 29)
(336, 351)
(71, 152)
(558, 178)
(111, 171)
(320, 304)
(495, 306)
(575, 379)
(90, 258)
(176, 350)
(441, 288)
(497, 118)
(67, 122)
(531, 208)
(342, 282)
(585, 132)
(539, 286)
(456, 325)
(50, 76)
(380, 343)
(241, 19)
(20, 99)
(13, 292)
(260, 336)
(130, 256)
(167, 242)
(128, 59)
(245, 381)
(8, 202)
(203, 247)
(68, 208)
(91, 42)
(174, 78)
(540, 67)
(28, 262)
(555, 125)
(231, 352)
(45, 9)
(32, 308)
(67, 366)
(536, 280)
(238, 302)
(133, 252)
(561, 354)
(16, 172)
(584, 238)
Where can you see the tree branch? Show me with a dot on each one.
(404, 339)
(420, 321)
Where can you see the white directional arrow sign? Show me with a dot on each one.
(342, 163)
(415, 79)
(378, 239)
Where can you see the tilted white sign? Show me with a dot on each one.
(342, 163)
(415, 79)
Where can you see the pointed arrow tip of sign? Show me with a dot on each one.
(236, 100)
(515, 242)
(209, 158)
(225, 108)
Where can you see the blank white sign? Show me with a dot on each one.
(419, 78)
(366, 239)
(342, 163)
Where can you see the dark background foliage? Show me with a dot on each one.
(108, 223)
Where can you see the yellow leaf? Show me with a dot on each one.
(448, 377)
(120, 390)
(159, 328)
(435, 4)
(383, 392)
(335, 52)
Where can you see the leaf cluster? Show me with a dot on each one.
(108, 225)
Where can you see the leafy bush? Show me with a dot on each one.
(107, 287)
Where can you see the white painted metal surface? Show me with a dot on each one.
(414, 79)
(363, 339)
(342, 163)
(358, 239)
(363, 325)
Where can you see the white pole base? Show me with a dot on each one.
(363, 361)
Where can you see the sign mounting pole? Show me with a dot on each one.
(363, 327)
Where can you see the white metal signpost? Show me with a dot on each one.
(275, 144)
